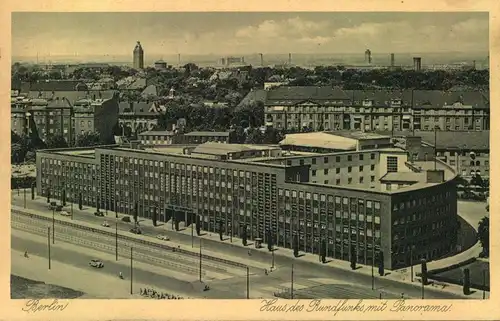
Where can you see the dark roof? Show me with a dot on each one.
(381, 97)
(254, 95)
(475, 140)
(61, 103)
(207, 134)
(433, 99)
(293, 94)
(58, 85)
(141, 107)
(72, 96)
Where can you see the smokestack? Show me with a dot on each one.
(474, 64)
(417, 63)
(289, 58)
(368, 56)
(261, 60)
(392, 60)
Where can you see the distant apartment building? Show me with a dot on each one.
(156, 137)
(60, 107)
(139, 116)
(467, 152)
(326, 108)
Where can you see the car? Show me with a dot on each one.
(59, 208)
(162, 237)
(98, 213)
(136, 230)
(64, 213)
(96, 264)
(126, 219)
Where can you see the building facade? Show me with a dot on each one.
(326, 108)
(279, 196)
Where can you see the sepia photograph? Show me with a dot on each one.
(250, 155)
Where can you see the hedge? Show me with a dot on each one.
(22, 182)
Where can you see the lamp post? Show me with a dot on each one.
(200, 259)
(291, 285)
(272, 253)
(248, 283)
(484, 284)
(131, 270)
(373, 277)
(53, 225)
(24, 189)
(48, 243)
(411, 261)
(192, 231)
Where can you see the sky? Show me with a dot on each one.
(82, 34)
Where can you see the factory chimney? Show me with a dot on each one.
(368, 56)
(261, 60)
(392, 60)
(289, 58)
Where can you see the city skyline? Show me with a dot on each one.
(89, 34)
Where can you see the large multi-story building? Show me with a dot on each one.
(326, 108)
(64, 108)
(358, 202)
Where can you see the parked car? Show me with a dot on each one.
(126, 219)
(59, 208)
(52, 206)
(96, 264)
(162, 237)
(64, 213)
(136, 230)
(98, 213)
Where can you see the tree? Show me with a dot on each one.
(323, 251)
(483, 235)
(381, 263)
(88, 139)
(154, 216)
(63, 201)
(466, 281)
(424, 272)
(244, 236)
(56, 141)
(30, 156)
(48, 196)
(269, 240)
(80, 202)
(33, 191)
(16, 153)
(176, 224)
(353, 258)
(295, 246)
(136, 212)
(198, 227)
(220, 229)
(254, 136)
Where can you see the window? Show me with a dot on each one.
(372, 167)
(337, 170)
(372, 156)
(325, 160)
(337, 159)
(361, 156)
(372, 178)
(349, 180)
(349, 158)
(314, 172)
(337, 182)
(314, 161)
(301, 162)
(361, 168)
(349, 169)
(326, 182)
(326, 171)
(361, 180)
(392, 164)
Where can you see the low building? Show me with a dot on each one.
(138, 116)
(203, 137)
(318, 200)
(154, 137)
(160, 65)
(334, 141)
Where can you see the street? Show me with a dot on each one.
(304, 270)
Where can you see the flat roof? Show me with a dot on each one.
(207, 134)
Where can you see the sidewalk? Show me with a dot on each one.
(402, 275)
